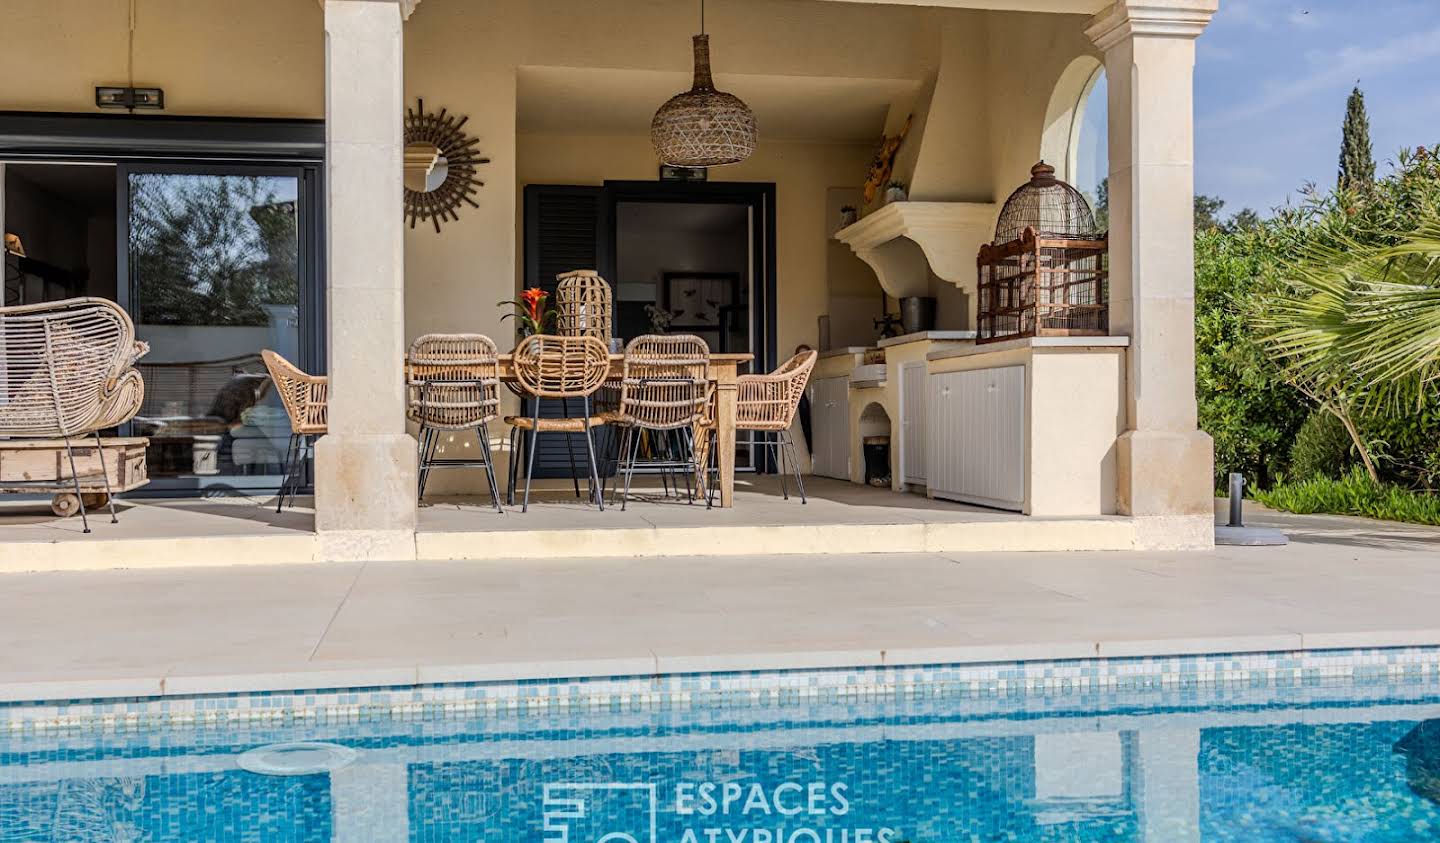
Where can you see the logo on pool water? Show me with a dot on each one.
(706, 812)
(599, 813)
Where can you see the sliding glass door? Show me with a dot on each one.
(217, 265)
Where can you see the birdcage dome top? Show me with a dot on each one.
(1048, 205)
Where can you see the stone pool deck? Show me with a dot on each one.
(1341, 583)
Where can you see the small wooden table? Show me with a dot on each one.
(724, 370)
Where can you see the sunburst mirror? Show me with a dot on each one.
(440, 164)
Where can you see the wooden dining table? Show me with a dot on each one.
(724, 372)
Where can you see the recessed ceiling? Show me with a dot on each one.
(581, 101)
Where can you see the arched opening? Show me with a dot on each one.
(1076, 136)
(875, 438)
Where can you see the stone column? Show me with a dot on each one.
(1162, 780)
(365, 494)
(1165, 462)
(370, 800)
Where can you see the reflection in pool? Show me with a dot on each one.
(1321, 764)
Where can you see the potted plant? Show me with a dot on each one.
(895, 191)
(531, 315)
(660, 318)
(847, 215)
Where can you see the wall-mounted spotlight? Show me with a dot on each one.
(129, 98)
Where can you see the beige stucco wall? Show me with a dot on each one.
(985, 82)
(802, 173)
(258, 58)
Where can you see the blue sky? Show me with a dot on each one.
(1271, 79)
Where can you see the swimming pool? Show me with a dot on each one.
(1276, 749)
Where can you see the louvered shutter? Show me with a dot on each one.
(563, 231)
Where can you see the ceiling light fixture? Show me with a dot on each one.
(703, 127)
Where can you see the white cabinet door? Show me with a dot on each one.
(912, 422)
(976, 441)
(830, 417)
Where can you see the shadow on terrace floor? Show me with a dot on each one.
(758, 502)
(30, 519)
(1338, 530)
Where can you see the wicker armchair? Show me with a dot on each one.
(548, 366)
(452, 381)
(767, 404)
(305, 398)
(663, 395)
(67, 370)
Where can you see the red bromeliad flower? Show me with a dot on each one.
(534, 299)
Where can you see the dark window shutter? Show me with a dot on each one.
(562, 232)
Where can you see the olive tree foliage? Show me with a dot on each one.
(1329, 305)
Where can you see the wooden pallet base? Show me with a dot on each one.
(43, 465)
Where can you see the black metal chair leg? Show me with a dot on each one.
(423, 444)
(780, 468)
(685, 450)
(305, 443)
(79, 496)
(630, 469)
(484, 434)
(513, 466)
(595, 491)
(530, 458)
(104, 472)
(570, 446)
(712, 470)
(622, 447)
(795, 464)
(285, 473)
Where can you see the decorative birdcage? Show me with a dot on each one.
(1046, 273)
(582, 304)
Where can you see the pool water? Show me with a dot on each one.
(1251, 765)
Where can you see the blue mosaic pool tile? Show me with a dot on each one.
(1000, 680)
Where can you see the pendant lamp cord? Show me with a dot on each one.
(702, 17)
(130, 54)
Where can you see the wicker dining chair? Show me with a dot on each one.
(305, 398)
(67, 369)
(548, 366)
(766, 404)
(452, 385)
(663, 394)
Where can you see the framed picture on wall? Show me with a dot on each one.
(698, 299)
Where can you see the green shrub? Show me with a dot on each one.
(1406, 441)
(1354, 494)
(1244, 405)
(1322, 448)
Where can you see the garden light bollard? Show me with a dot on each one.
(1237, 497)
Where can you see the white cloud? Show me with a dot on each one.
(1346, 64)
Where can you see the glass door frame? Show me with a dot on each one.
(310, 278)
(759, 197)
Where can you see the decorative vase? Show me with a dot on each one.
(847, 217)
(894, 194)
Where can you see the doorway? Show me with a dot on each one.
(684, 268)
(214, 255)
(681, 257)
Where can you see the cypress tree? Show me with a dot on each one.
(1357, 161)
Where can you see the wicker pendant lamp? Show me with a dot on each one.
(703, 127)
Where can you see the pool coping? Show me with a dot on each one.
(299, 678)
